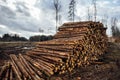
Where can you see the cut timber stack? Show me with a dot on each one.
(75, 44)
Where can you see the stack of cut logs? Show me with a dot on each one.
(75, 44)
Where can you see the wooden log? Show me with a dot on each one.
(62, 41)
(43, 50)
(46, 54)
(65, 48)
(53, 58)
(3, 72)
(37, 71)
(11, 73)
(6, 74)
(20, 66)
(16, 70)
(33, 75)
(40, 67)
(51, 61)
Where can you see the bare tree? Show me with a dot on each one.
(57, 9)
(60, 19)
(72, 10)
(41, 31)
(95, 10)
(89, 17)
(115, 29)
(105, 20)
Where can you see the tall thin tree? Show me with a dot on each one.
(115, 29)
(72, 10)
(95, 10)
(57, 9)
(41, 31)
(60, 19)
(89, 17)
(105, 20)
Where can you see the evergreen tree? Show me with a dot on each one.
(72, 10)
(115, 29)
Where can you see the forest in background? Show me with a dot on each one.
(15, 37)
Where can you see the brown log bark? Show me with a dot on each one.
(33, 75)
(21, 67)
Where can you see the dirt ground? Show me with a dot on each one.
(106, 68)
(7, 48)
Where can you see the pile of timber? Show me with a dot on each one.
(21, 68)
(75, 44)
(79, 29)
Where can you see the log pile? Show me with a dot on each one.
(75, 44)
(20, 68)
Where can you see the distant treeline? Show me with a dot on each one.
(12, 37)
(40, 38)
(15, 37)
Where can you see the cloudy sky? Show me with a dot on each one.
(26, 17)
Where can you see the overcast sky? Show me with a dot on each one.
(26, 17)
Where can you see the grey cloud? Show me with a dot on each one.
(22, 8)
(4, 0)
(44, 4)
(6, 12)
(21, 19)
(13, 21)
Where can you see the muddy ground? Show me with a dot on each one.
(106, 68)
(7, 48)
